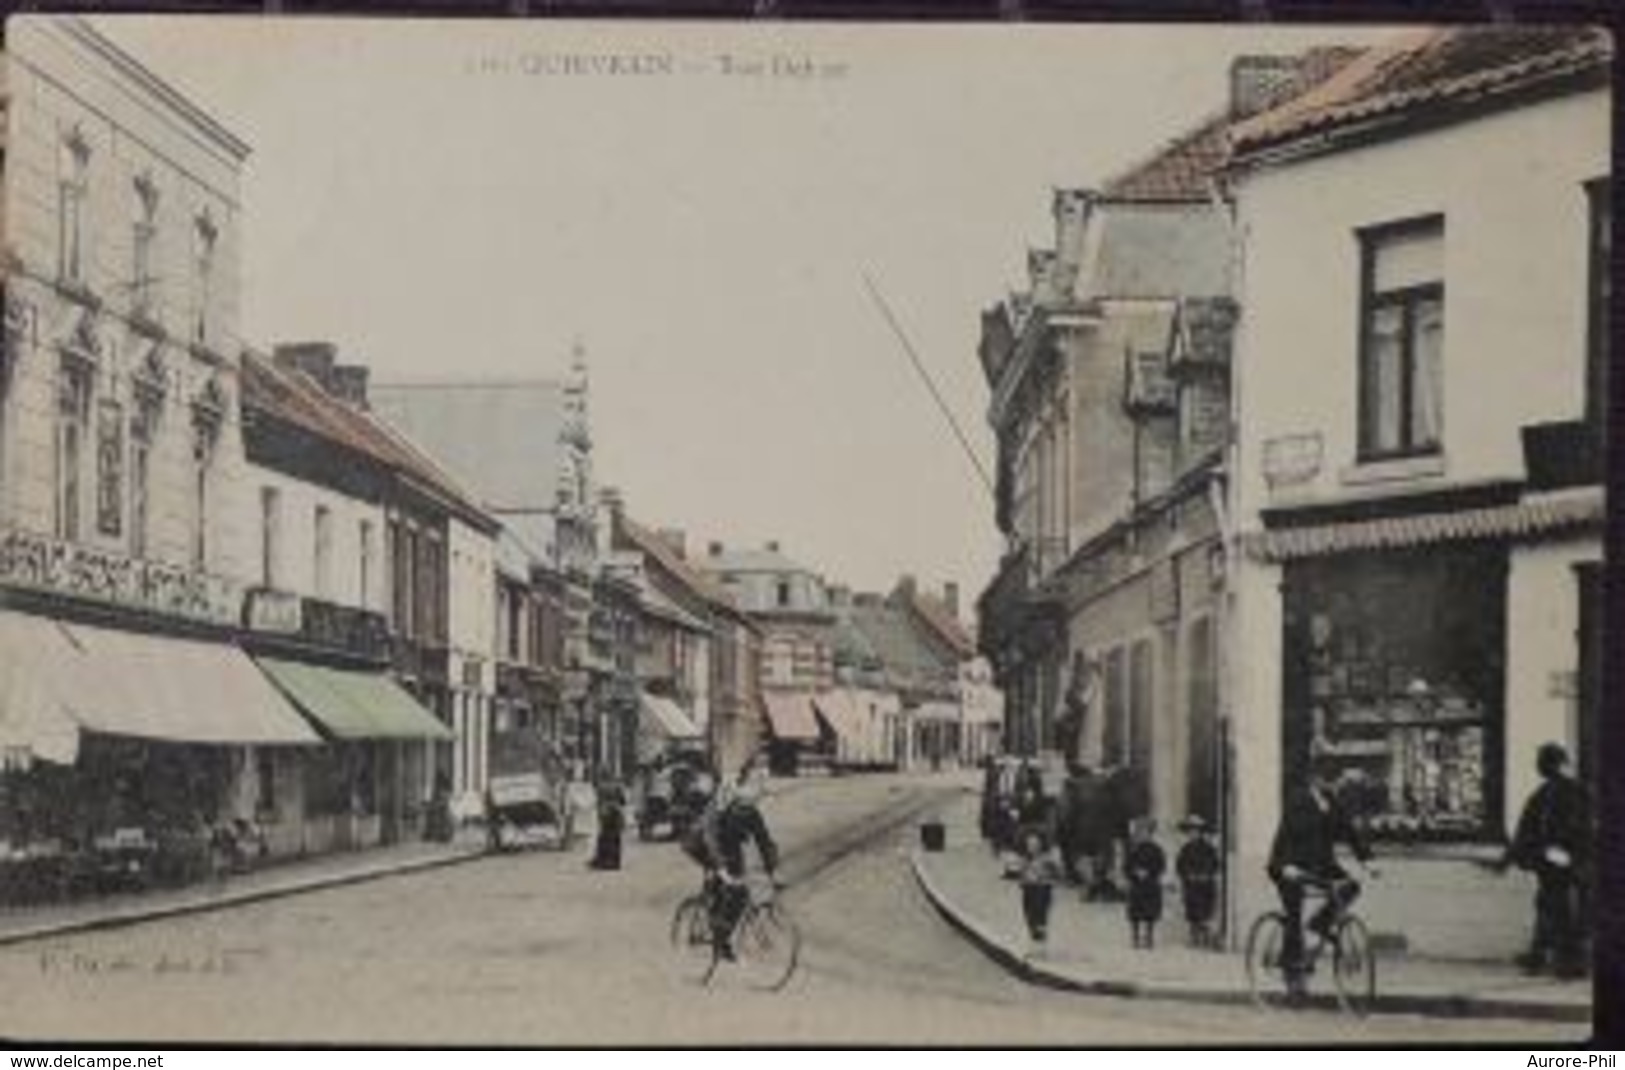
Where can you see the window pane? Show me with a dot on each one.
(1427, 373)
(1414, 258)
(1380, 421)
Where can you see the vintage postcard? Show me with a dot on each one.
(556, 533)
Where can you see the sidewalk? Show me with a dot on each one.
(1089, 948)
(326, 871)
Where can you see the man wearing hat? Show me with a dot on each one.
(1197, 865)
(1553, 841)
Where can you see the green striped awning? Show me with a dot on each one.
(351, 704)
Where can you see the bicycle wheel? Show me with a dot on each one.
(1354, 967)
(768, 945)
(691, 939)
(1266, 949)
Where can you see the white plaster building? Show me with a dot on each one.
(1415, 491)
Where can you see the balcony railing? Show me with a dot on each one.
(36, 562)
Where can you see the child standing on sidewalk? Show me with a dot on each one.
(1040, 869)
(1144, 867)
(1197, 865)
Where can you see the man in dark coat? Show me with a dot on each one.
(733, 820)
(1552, 841)
(1304, 854)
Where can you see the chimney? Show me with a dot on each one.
(840, 595)
(772, 546)
(950, 598)
(315, 359)
(1258, 83)
(907, 586)
(349, 383)
(715, 549)
(675, 539)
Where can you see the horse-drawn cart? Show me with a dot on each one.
(528, 801)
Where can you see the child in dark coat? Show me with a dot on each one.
(1197, 865)
(1040, 869)
(1143, 868)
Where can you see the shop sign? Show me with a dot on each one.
(40, 562)
(1290, 460)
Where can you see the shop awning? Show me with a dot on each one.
(846, 714)
(790, 715)
(60, 678)
(667, 718)
(353, 704)
(1531, 518)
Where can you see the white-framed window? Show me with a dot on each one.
(1401, 402)
(368, 564)
(73, 190)
(74, 384)
(270, 535)
(206, 239)
(323, 522)
(143, 429)
(144, 235)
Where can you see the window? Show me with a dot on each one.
(72, 191)
(110, 468)
(783, 593)
(270, 535)
(1401, 338)
(1114, 741)
(323, 578)
(143, 426)
(206, 238)
(205, 429)
(144, 234)
(264, 782)
(1599, 294)
(73, 414)
(368, 564)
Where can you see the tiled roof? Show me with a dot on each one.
(1530, 518)
(1179, 172)
(1429, 71)
(948, 629)
(701, 585)
(295, 398)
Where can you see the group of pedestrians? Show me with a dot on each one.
(1552, 841)
(1073, 837)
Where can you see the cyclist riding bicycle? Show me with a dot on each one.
(1304, 855)
(732, 819)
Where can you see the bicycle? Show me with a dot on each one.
(766, 940)
(1354, 967)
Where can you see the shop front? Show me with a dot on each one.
(127, 754)
(1395, 672)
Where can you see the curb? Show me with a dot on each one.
(137, 914)
(1038, 973)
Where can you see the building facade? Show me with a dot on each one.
(1417, 486)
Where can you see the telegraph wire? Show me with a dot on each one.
(925, 377)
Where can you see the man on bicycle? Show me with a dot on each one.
(731, 820)
(1304, 855)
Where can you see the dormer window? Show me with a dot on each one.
(73, 187)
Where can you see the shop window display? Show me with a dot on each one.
(1403, 685)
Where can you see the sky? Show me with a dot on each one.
(696, 204)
